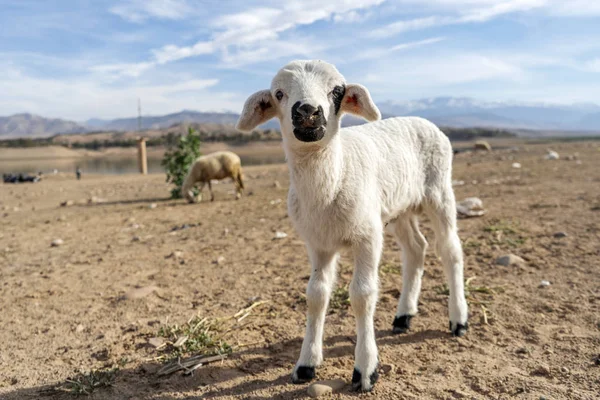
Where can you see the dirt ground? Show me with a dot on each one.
(73, 308)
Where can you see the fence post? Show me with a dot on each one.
(142, 160)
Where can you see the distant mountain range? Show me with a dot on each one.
(29, 125)
(444, 111)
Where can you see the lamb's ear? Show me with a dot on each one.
(357, 101)
(258, 109)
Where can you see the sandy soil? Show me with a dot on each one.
(62, 308)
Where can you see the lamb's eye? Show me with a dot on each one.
(279, 95)
(337, 91)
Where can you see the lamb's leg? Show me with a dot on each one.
(317, 297)
(200, 188)
(363, 297)
(212, 195)
(414, 246)
(443, 216)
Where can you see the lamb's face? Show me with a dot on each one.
(309, 98)
(308, 95)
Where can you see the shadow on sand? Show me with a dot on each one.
(248, 366)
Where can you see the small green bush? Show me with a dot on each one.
(179, 158)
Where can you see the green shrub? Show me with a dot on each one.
(179, 158)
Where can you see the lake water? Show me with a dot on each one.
(109, 165)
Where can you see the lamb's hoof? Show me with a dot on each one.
(359, 386)
(401, 324)
(459, 330)
(303, 374)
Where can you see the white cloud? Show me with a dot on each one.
(417, 73)
(252, 36)
(383, 52)
(471, 12)
(139, 10)
(82, 98)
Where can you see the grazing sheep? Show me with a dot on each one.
(346, 185)
(218, 165)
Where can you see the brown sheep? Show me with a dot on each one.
(218, 165)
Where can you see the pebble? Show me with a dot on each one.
(516, 165)
(323, 388)
(57, 242)
(152, 206)
(388, 369)
(156, 342)
(509, 259)
(277, 185)
(136, 239)
(542, 370)
(220, 260)
(79, 328)
(544, 283)
(176, 254)
(552, 155)
(280, 235)
(67, 203)
(470, 207)
(564, 370)
(559, 235)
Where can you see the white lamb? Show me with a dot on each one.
(345, 186)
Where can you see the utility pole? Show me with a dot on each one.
(142, 159)
(139, 114)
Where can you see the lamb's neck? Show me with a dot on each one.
(316, 171)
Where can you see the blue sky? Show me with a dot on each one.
(79, 59)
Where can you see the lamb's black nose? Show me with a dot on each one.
(307, 116)
(307, 111)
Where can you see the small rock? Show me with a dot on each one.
(564, 370)
(551, 155)
(542, 370)
(523, 350)
(136, 239)
(152, 206)
(138, 293)
(277, 185)
(516, 165)
(177, 254)
(276, 201)
(220, 260)
(388, 369)
(79, 328)
(559, 235)
(67, 203)
(470, 207)
(156, 342)
(544, 283)
(509, 259)
(457, 183)
(280, 235)
(323, 388)
(225, 232)
(57, 242)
